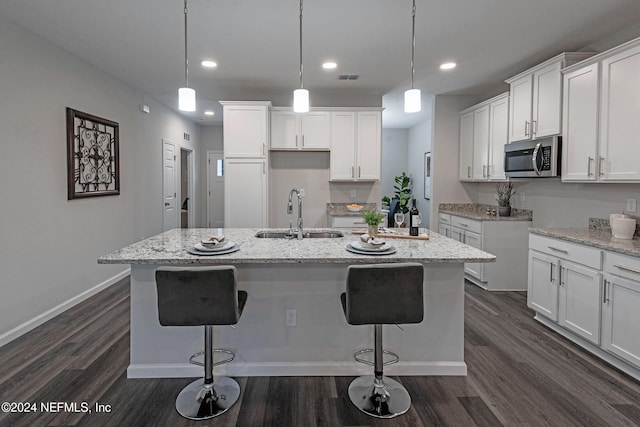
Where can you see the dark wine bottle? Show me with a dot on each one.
(414, 219)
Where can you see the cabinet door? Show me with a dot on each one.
(498, 138)
(475, 269)
(520, 95)
(580, 124)
(579, 300)
(542, 285)
(245, 130)
(368, 150)
(480, 143)
(466, 146)
(315, 130)
(245, 193)
(620, 103)
(547, 101)
(343, 146)
(284, 134)
(621, 317)
(457, 234)
(444, 229)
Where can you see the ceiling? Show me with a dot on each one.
(255, 43)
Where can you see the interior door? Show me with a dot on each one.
(170, 211)
(215, 189)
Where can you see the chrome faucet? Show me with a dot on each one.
(290, 209)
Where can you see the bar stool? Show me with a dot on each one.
(204, 296)
(380, 294)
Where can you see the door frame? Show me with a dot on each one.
(175, 184)
(191, 187)
(211, 169)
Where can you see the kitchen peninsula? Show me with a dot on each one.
(306, 276)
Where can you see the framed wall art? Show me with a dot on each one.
(427, 175)
(92, 156)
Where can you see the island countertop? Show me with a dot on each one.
(171, 247)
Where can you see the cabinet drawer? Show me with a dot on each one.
(444, 218)
(466, 224)
(348, 222)
(591, 257)
(622, 266)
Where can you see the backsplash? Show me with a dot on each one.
(601, 224)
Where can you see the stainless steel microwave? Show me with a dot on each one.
(540, 158)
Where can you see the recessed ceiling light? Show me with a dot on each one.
(209, 113)
(448, 66)
(208, 64)
(329, 65)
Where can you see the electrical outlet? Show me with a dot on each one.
(353, 193)
(302, 192)
(291, 318)
(631, 205)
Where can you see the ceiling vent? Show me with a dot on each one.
(348, 76)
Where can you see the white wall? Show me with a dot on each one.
(49, 245)
(419, 143)
(395, 158)
(212, 140)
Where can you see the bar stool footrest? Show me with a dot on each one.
(215, 350)
(395, 358)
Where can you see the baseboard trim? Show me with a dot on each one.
(298, 369)
(33, 323)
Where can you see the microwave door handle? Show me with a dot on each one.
(535, 157)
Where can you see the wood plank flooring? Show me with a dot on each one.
(520, 374)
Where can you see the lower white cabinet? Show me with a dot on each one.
(504, 239)
(588, 295)
(345, 221)
(245, 193)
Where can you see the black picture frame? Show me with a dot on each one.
(93, 156)
(427, 175)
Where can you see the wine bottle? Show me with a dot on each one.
(414, 219)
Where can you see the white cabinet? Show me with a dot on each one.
(469, 232)
(535, 109)
(246, 138)
(565, 284)
(355, 145)
(295, 131)
(483, 134)
(245, 128)
(245, 188)
(444, 224)
(621, 307)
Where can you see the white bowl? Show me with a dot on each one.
(623, 228)
(354, 209)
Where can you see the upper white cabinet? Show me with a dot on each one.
(600, 112)
(355, 145)
(483, 134)
(246, 128)
(536, 98)
(295, 131)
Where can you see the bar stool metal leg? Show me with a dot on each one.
(203, 399)
(377, 395)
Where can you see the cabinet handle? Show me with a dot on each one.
(601, 169)
(263, 148)
(263, 168)
(534, 127)
(604, 297)
(558, 250)
(563, 279)
(526, 128)
(589, 160)
(296, 140)
(551, 279)
(622, 267)
(468, 171)
(464, 224)
(303, 139)
(484, 174)
(352, 172)
(358, 171)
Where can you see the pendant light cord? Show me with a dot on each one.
(413, 41)
(301, 85)
(186, 51)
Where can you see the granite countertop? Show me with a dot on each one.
(479, 212)
(340, 209)
(599, 238)
(171, 247)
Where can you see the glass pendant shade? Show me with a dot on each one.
(301, 101)
(412, 103)
(186, 99)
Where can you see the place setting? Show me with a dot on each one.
(369, 245)
(215, 245)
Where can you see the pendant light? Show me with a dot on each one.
(301, 96)
(186, 95)
(412, 103)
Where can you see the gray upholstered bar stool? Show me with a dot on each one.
(204, 296)
(380, 294)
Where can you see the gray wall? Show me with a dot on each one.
(419, 143)
(49, 245)
(395, 143)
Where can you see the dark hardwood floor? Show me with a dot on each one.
(520, 374)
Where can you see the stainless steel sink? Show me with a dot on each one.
(330, 234)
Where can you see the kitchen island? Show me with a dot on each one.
(306, 276)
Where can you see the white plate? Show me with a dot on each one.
(194, 251)
(389, 251)
(362, 247)
(217, 248)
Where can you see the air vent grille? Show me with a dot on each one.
(348, 76)
(186, 136)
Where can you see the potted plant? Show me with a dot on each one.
(372, 219)
(504, 193)
(402, 193)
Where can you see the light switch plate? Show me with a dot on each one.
(631, 205)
